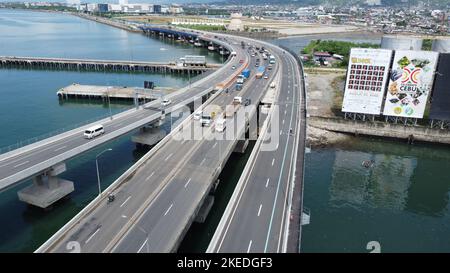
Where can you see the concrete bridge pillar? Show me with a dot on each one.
(47, 188)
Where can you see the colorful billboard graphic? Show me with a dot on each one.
(441, 91)
(367, 75)
(410, 83)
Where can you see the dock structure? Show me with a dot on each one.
(103, 65)
(76, 90)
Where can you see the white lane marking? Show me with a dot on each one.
(60, 148)
(146, 179)
(215, 144)
(203, 161)
(125, 201)
(142, 246)
(249, 246)
(167, 211)
(167, 158)
(283, 121)
(273, 161)
(92, 236)
(259, 211)
(267, 182)
(118, 125)
(124, 216)
(281, 132)
(23, 163)
(285, 112)
(187, 183)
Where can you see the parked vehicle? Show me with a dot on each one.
(94, 131)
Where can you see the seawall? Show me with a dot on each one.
(381, 129)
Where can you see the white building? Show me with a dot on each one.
(236, 22)
(175, 9)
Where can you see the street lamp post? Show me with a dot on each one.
(98, 173)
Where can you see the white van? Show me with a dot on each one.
(94, 131)
(221, 124)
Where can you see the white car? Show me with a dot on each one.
(165, 102)
(94, 131)
(272, 85)
(198, 115)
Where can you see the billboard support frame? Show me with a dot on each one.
(401, 120)
(359, 116)
(439, 124)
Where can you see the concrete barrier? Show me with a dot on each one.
(381, 129)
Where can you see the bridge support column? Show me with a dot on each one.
(241, 146)
(204, 210)
(149, 135)
(47, 188)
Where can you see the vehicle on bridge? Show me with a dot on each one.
(209, 113)
(230, 110)
(260, 72)
(94, 131)
(221, 124)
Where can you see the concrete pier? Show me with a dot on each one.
(102, 65)
(47, 188)
(113, 92)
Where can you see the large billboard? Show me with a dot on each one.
(410, 83)
(440, 105)
(366, 80)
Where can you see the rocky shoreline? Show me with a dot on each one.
(317, 137)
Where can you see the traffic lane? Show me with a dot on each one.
(198, 176)
(238, 243)
(278, 214)
(160, 207)
(242, 227)
(138, 188)
(162, 236)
